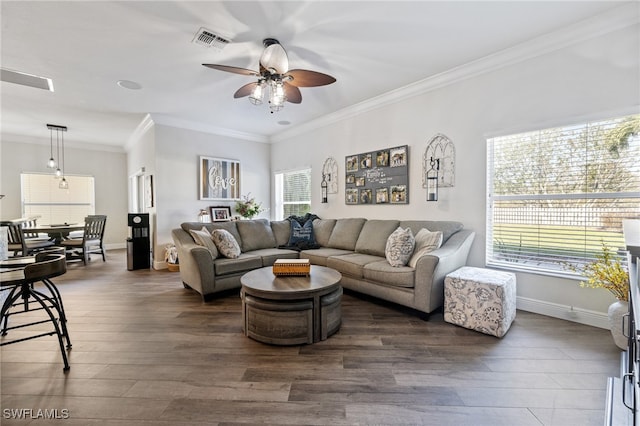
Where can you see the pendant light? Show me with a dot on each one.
(63, 183)
(59, 173)
(51, 163)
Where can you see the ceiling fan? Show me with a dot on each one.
(275, 77)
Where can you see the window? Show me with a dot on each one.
(554, 196)
(293, 193)
(41, 197)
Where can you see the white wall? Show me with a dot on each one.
(595, 78)
(107, 167)
(177, 152)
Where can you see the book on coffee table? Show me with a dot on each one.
(291, 267)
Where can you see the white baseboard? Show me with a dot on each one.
(115, 246)
(569, 313)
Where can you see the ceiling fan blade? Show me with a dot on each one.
(245, 90)
(306, 78)
(274, 58)
(292, 93)
(235, 70)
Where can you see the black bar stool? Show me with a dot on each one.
(18, 278)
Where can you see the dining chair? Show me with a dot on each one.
(91, 241)
(19, 243)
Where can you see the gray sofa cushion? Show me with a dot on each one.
(256, 234)
(384, 273)
(243, 263)
(320, 256)
(374, 235)
(322, 230)
(345, 233)
(281, 229)
(269, 255)
(351, 264)
(448, 228)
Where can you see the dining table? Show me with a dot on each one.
(57, 232)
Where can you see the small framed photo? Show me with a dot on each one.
(382, 158)
(351, 196)
(365, 161)
(351, 178)
(382, 196)
(365, 196)
(352, 163)
(220, 213)
(399, 194)
(399, 156)
(360, 181)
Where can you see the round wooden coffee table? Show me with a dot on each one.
(291, 310)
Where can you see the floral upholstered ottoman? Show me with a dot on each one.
(480, 299)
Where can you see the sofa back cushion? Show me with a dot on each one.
(281, 230)
(322, 230)
(345, 233)
(255, 234)
(227, 226)
(448, 228)
(374, 235)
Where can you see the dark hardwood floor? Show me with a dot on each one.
(146, 351)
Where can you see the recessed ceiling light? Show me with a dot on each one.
(128, 84)
(284, 122)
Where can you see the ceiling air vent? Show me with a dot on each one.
(208, 38)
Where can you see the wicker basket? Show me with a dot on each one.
(173, 267)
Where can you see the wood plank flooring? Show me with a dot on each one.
(146, 351)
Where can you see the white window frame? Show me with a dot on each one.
(539, 253)
(279, 192)
(53, 205)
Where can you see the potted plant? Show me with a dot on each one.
(608, 272)
(248, 207)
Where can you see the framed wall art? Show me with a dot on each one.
(219, 179)
(378, 177)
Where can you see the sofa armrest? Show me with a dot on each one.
(196, 263)
(432, 268)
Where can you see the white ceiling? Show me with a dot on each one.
(370, 47)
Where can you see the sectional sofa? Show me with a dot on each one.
(353, 246)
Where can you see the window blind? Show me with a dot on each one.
(293, 190)
(41, 197)
(555, 196)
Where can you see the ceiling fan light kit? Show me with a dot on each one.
(275, 78)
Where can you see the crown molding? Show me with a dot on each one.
(207, 128)
(604, 23)
(141, 129)
(15, 138)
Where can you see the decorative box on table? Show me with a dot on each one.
(291, 267)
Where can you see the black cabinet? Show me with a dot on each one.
(138, 243)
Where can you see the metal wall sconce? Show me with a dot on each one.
(432, 179)
(324, 187)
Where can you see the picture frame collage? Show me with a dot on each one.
(378, 177)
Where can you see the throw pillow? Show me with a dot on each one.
(226, 243)
(301, 234)
(203, 238)
(399, 247)
(426, 241)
